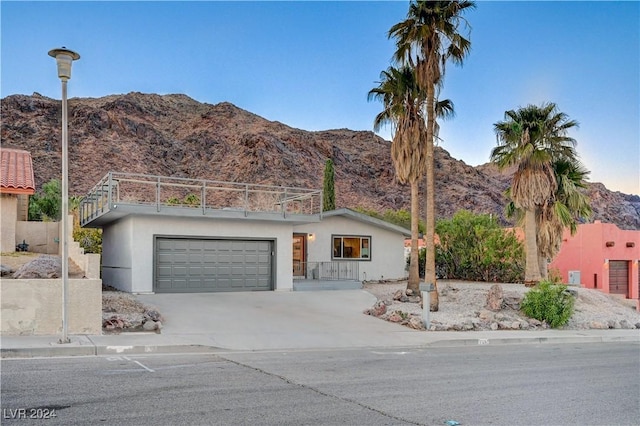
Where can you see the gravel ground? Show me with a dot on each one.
(462, 306)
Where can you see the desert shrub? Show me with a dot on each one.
(555, 276)
(89, 239)
(476, 248)
(191, 200)
(549, 302)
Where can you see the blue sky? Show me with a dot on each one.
(310, 64)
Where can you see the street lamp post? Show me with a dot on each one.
(64, 59)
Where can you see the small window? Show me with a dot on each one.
(351, 247)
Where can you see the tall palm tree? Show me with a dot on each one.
(402, 101)
(426, 41)
(532, 139)
(568, 206)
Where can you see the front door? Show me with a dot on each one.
(299, 255)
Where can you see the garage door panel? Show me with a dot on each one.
(178, 283)
(195, 269)
(209, 265)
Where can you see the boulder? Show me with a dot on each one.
(45, 266)
(378, 309)
(153, 315)
(495, 298)
(416, 323)
(150, 326)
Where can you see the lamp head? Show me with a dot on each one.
(64, 58)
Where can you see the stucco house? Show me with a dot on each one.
(601, 256)
(16, 184)
(163, 234)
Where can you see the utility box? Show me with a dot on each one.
(574, 278)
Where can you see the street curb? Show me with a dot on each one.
(532, 340)
(154, 349)
(123, 350)
(90, 350)
(48, 352)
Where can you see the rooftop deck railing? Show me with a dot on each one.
(118, 190)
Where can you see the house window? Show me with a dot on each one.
(351, 247)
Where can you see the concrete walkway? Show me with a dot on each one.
(215, 322)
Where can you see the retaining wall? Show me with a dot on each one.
(34, 307)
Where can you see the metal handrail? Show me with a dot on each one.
(117, 188)
(331, 270)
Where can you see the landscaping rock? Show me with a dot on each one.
(153, 315)
(486, 315)
(464, 304)
(150, 326)
(45, 266)
(416, 323)
(495, 298)
(394, 317)
(377, 310)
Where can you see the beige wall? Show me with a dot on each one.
(34, 307)
(8, 216)
(23, 207)
(42, 237)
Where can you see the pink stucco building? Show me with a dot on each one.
(601, 256)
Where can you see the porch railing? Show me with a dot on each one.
(329, 271)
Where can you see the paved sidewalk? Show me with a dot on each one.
(216, 322)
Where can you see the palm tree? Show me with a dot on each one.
(568, 206)
(426, 41)
(402, 100)
(532, 139)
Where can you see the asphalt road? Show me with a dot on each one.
(569, 384)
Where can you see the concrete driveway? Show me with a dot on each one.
(277, 320)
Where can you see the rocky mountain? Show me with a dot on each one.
(174, 135)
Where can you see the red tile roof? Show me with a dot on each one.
(16, 172)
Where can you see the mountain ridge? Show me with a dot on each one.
(176, 135)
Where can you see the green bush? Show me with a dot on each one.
(46, 204)
(476, 248)
(549, 302)
(89, 239)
